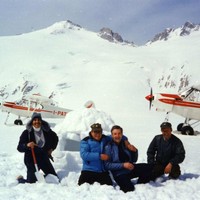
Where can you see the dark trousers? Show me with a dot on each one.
(158, 170)
(91, 177)
(142, 171)
(43, 163)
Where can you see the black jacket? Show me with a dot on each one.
(51, 141)
(163, 152)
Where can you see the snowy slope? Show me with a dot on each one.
(76, 65)
(68, 166)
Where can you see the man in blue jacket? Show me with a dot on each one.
(122, 160)
(39, 136)
(93, 156)
(165, 153)
(91, 151)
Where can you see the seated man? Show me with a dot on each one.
(91, 151)
(121, 162)
(165, 152)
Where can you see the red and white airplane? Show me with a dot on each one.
(36, 103)
(185, 104)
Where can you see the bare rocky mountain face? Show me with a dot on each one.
(108, 34)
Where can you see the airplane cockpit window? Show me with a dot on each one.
(193, 95)
(36, 105)
(33, 105)
(39, 106)
(21, 102)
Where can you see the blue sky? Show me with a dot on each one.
(134, 20)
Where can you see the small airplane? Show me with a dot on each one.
(185, 104)
(35, 103)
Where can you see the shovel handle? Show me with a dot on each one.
(34, 159)
(33, 154)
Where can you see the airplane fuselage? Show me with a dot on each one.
(47, 111)
(177, 105)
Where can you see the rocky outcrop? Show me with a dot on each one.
(163, 36)
(185, 30)
(175, 77)
(108, 34)
(188, 28)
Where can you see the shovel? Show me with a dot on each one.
(38, 175)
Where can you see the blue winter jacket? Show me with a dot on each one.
(114, 164)
(91, 150)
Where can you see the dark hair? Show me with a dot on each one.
(36, 115)
(116, 127)
(166, 125)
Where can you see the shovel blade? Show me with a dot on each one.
(40, 177)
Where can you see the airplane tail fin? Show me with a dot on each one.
(89, 104)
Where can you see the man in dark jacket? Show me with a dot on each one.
(39, 136)
(122, 160)
(165, 153)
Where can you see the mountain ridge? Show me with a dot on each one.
(184, 30)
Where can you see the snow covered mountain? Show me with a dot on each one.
(75, 65)
(168, 33)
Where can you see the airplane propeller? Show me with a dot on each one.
(150, 98)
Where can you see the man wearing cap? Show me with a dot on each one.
(39, 136)
(93, 156)
(165, 153)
